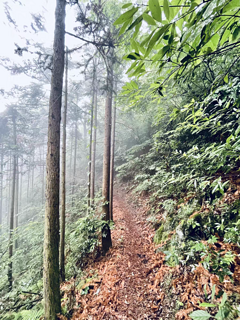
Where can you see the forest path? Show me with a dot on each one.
(123, 288)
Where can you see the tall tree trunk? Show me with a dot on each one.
(74, 162)
(106, 233)
(16, 201)
(1, 188)
(94, 142)
(90, 142)
(21, 186)
(9, 185)
(11, 222)
(51, 281)
(43, 176)
(112, 159)
(84, 131)
(63, 176)
(71, 152)
(28, 184)
(33, 159)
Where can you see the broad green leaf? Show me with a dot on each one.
(155, 10)
(200, 315)
(166, 9)
(149, 19)
(125, 16)
(126, 5)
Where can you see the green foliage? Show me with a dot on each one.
(33, 314)
(82, 239)
(182, 35)
(212, 260)
(224, 310)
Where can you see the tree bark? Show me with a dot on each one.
(33, 159)
(90, 142)
(94, 142)
(28, 178)
(11, 222)
(51, 281)
(112, 159)
(84, 131)
(16, 201)
(74, 162)
(9, 185)
(106, 234)
(63, 176)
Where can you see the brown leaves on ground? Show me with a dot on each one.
(124, 283)
(132, 281)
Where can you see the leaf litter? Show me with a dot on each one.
(132, 282)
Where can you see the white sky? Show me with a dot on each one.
(9, 35)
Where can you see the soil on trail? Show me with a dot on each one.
(122, 281)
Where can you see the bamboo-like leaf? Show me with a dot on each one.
(126, 5)
(136, 22)
(125, 25)
(149, 19)
(166, 9)
(155, 10)
(125, 16)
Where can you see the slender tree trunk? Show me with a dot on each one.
(21, 186)
(43, 176)
(33, 170)
(1, 188)
(9, 185)
(16, 201)
(63, 176)
(106, 233)
(51, 281)
(112, 159)
(74, 162)
(94, 142)
(90, 142)
(11, 222)
(71, 152)
(28, 184)
(84, 131)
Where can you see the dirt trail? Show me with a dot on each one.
(123, 288)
